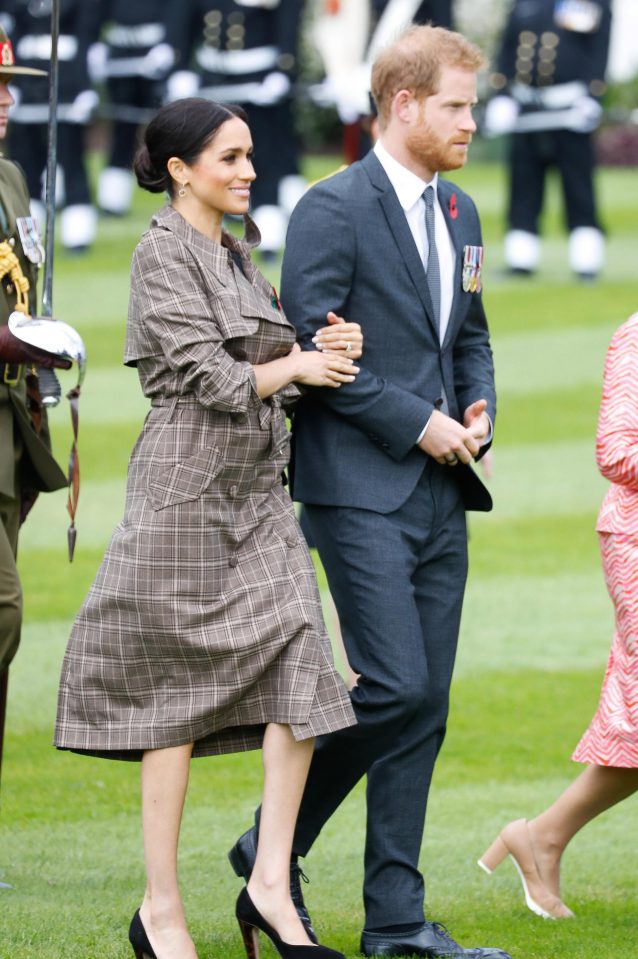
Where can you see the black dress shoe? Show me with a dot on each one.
(431, 941)
(242, 858)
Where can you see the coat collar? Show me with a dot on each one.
(216, 255)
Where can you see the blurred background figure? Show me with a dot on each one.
(30, 24)
(549, 80)
(132, 61)
(348, 35)
(246, 52)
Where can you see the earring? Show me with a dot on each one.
(182, 190)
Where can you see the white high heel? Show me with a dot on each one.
(514, 840)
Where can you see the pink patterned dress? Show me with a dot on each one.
(612, 736)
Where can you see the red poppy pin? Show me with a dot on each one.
(274, 300)
(453, 207)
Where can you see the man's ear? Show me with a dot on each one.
(404, 106)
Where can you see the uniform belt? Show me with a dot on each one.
(237, 62)
(12, 373)
(560, 96)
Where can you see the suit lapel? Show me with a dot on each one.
(445, 197)
(400, 230)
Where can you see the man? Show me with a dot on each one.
(133, 62)
(26, 464)
(382, 466)
(246, 52)
(549, 80)
(31, 33)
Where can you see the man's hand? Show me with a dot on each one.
(13, 350)
(476, 420)
(447, 441)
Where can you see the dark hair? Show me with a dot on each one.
(181, 129)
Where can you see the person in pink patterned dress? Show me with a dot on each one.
(610, 744)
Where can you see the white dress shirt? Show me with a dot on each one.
(409, 189)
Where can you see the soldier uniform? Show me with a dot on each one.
(138, 55)
(550, 76)
(31, 32)
(349, 34)
(26, 464)
(245, 52)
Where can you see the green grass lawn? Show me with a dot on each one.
(535, 637)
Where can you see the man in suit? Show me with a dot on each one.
(26, 463)
(382, 465)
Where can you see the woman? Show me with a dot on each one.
(202, 632)
(610, 744)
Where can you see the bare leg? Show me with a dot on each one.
(164, 783)
(595, 790)
(286, 765)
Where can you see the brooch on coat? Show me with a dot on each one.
(453, 207)
(472, 264)
(274, 299)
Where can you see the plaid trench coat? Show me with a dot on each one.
(204, 621)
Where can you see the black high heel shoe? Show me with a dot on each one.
(251, 922)
(139, 940)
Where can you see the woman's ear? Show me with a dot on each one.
(176, 169)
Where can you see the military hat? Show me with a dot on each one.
(7, 60)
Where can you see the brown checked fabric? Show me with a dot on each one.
(204, 621)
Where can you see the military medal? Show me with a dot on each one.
(472, 264)
(30, 239)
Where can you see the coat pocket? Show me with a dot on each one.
(185, 481)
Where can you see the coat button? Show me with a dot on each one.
(239, 417)
(232, 560)
(292, 541)
(232, 492)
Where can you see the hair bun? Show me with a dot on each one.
(147, 174)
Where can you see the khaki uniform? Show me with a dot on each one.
(26, 463)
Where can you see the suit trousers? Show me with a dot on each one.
(397, 580)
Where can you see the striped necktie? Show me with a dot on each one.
(432, 272)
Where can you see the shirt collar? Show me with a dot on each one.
(407, 185)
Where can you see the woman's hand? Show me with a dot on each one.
(325, 368)
(340, 337)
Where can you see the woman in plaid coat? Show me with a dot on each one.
(202, 632)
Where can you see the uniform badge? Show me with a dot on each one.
(579, 16)
(472, 264)
(30, 239)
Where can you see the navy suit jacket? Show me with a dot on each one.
(349, 249)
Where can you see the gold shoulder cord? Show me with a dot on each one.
(9, 263)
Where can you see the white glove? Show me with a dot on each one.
(181, 84)
(83, 107)
(158, 61)
(272, 89)
(351, 94)
(96, 58)
(16, 93)
(501, 114)
(587, 113)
